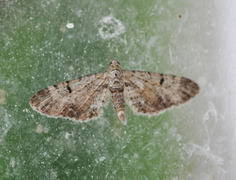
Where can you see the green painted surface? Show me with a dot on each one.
(38, 50)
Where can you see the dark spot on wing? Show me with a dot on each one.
(161, 81)
(55, 86)
(68, 87)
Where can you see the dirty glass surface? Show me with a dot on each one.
(47, 42)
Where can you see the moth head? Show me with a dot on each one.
(114, 63)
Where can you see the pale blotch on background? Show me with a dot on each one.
(70, 25)
(2, 96)
(63, 29)
(110, 27)
(79, 13)
(202, 81)
(67, 135)
(39, 129)
(102, 158)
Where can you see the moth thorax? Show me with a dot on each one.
(115, 73)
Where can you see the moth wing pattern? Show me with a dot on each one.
(79, 99)
(150, 93)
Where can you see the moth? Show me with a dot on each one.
(83, 98)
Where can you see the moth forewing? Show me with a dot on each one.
(78, 99)
(150, 93)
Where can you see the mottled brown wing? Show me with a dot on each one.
(150, 93)
(79, 99)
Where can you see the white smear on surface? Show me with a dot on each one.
(194, 149)
(12, 162)
(79, 13)
(171, 58)
(70, 25)
(6, 126)
(2, 96)
(102, 158)
(39, 129)
(211, 111)
(67, 135)
(110, 27)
